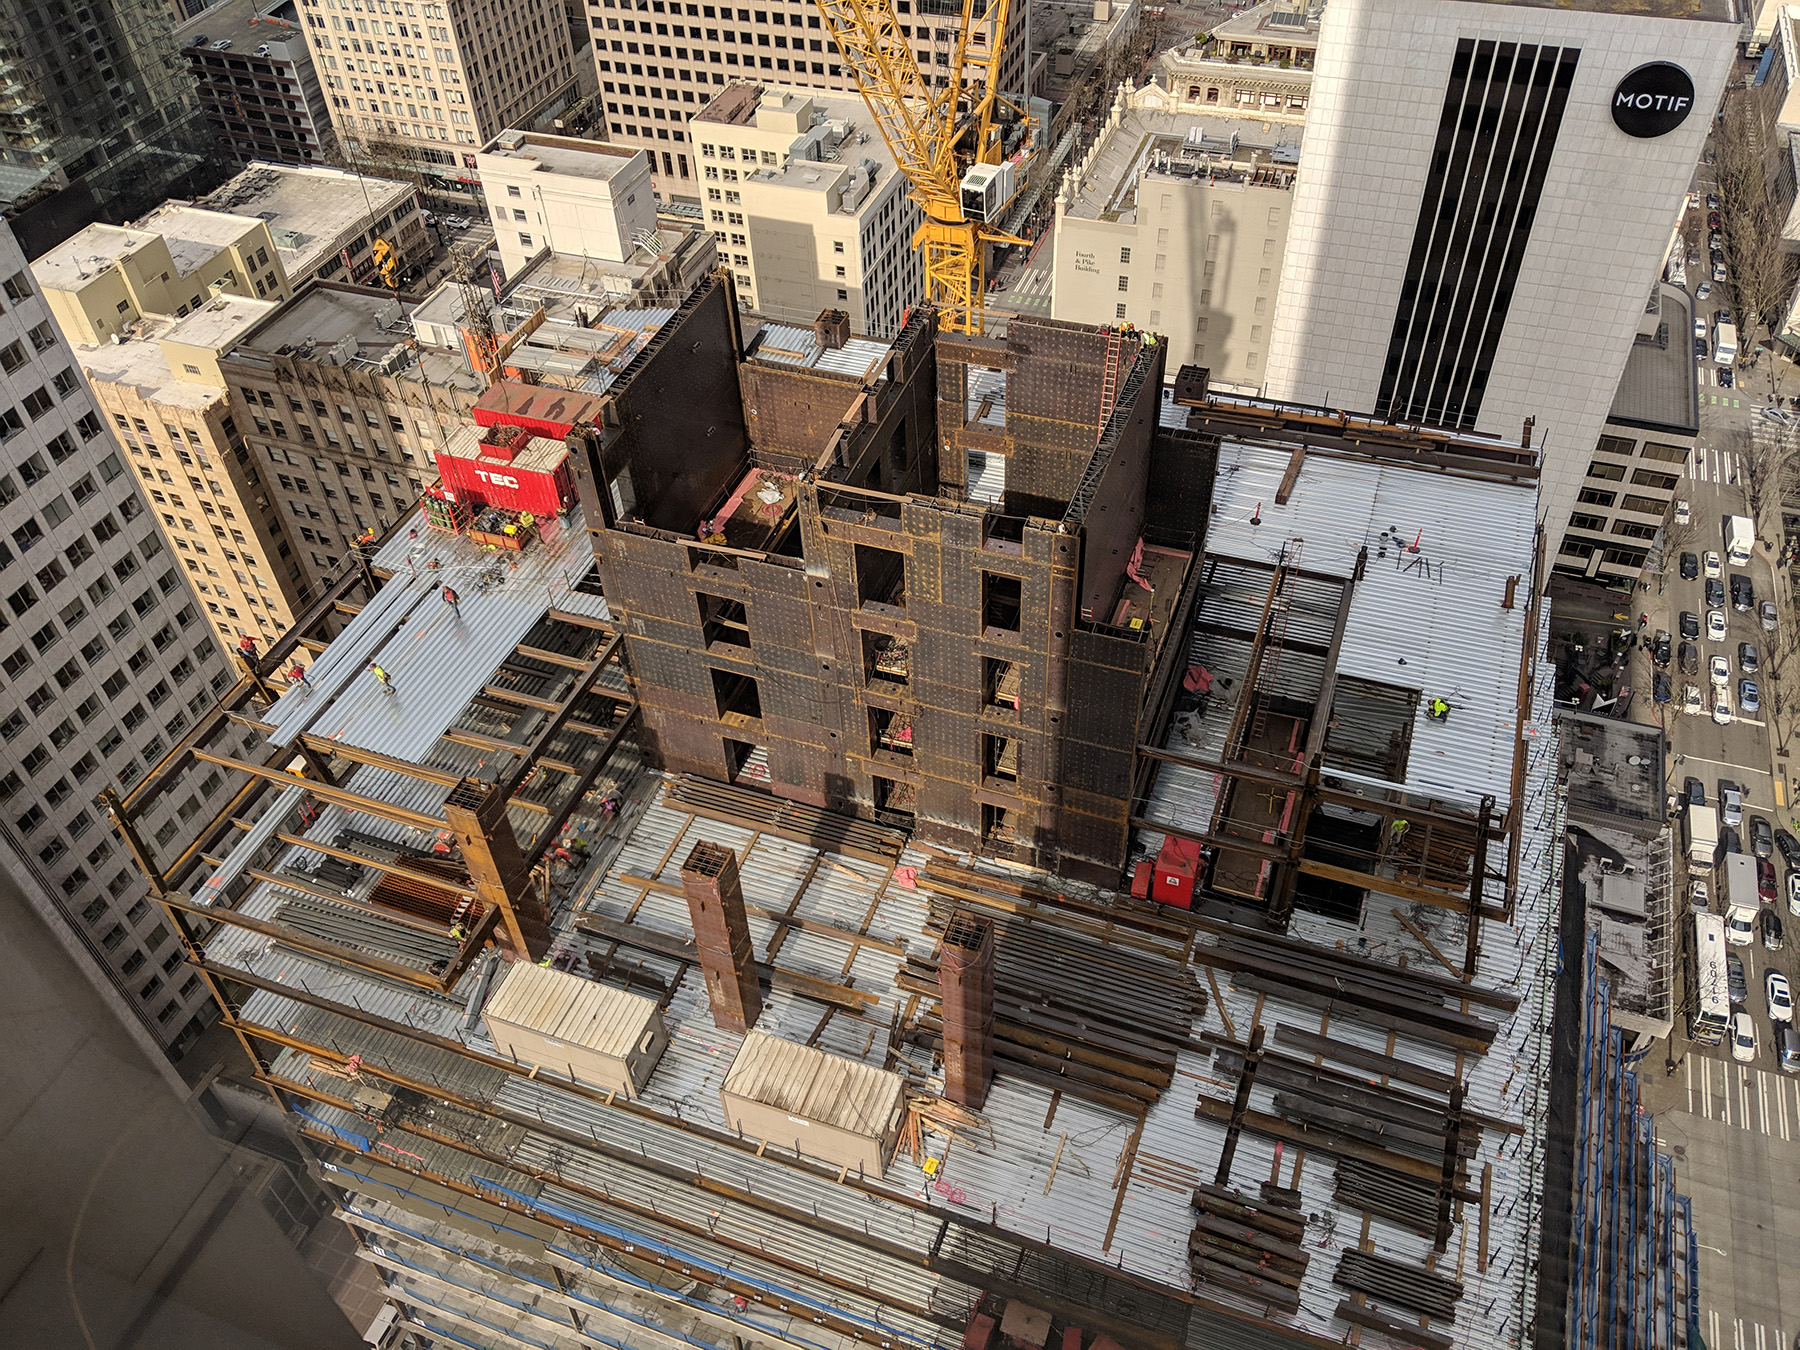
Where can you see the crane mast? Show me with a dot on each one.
(934, 135)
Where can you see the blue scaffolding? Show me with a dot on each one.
(1634, 1264)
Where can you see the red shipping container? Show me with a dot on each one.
(541, 409)
(1177, 866)
(507, 467)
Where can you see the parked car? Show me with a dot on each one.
(1718, 272)
(1734, 978)
(1689, 657)
(1765, 881)
(1772, 935)
(1683, 515)
(1690, 566)
(1743, 594)
(1700, 328)
(1692, 704)
(1714, 590)
(1721, 708)
(1721, 316)
(1780, 997)
(1731, 803)
(1743, 1037)
(1701, 350)
(1749, 698)
(1714, 220)
(1766, 611)
(1660, 648)
(1716, 239)
(1693, 792)
(1688, 625)
(1719, 669)
(1729, 842)
(1789, 1042)
(1704, 291)
(1762, 838)
(1747, 657)
(1697, 897)
(1661, 688)
(1712, 201)
(1709, 564)
(1789, 848)
(1793, 892)
(1715, 625)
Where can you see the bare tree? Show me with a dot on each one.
(1763, 468)
(1761, 271)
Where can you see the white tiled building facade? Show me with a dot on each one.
(105, 661)
(1559, 242)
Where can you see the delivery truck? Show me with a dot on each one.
(1741, 899)
(1700, 835)
(1740, 534)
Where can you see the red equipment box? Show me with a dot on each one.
(1177, 867)
(508, 467)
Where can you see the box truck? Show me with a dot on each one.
(1700, 835)
(1740, 534)
(1741, 899)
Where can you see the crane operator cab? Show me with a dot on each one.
(987, 190)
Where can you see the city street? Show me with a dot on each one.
(1733, 1128)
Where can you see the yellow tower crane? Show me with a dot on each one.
(936, 136)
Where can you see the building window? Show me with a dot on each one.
(1498, 128)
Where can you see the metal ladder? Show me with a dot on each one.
(1278, 624)
(1109, 383)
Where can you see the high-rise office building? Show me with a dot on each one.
(98, 119)
(424, 86)
(661, 63)
(1486, 196)
(258, 87)
(105, 660)
(808, 205)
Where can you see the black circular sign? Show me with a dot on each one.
(1653, 100)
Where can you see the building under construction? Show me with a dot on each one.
(807, 841)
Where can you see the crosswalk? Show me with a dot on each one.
(1030, 291)
(1743, 1096)
(1708, 464)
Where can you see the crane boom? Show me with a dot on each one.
(933, 135)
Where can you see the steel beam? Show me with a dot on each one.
(356, 754)
(580, 790)
(559, 715)
(331, 850)
(337, 796)
(331, 951)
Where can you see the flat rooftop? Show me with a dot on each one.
(334, 324)
(247, 23)
(139, 363)
(193, 239)
(221, 321)
(1273, 21)
(594, 160)
(308, 208)
(1181, 146)
(1660, 389)
(1614, 771)
(735, 107)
